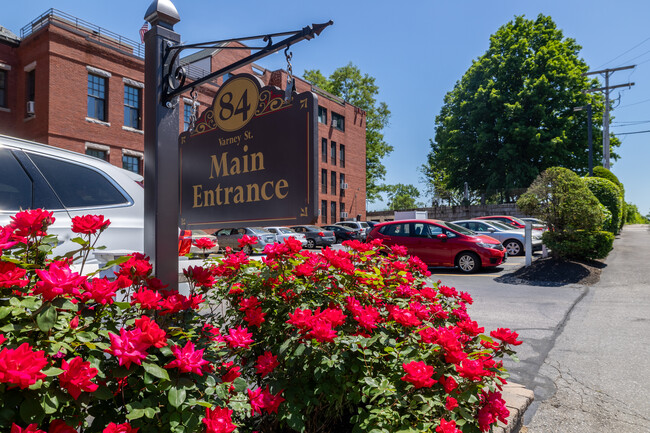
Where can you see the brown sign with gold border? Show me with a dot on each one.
(251, 159)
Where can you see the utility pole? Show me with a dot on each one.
(606, 90)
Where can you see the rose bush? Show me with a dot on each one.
(330, 341)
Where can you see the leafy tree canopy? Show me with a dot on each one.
(512, 114)
(349, 83)
(402, 196)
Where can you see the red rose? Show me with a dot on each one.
(218, 420)
(506, 335)
(89, 224)
(120, 428)
(76, 377)
(447, 427)
(31, 222)
(204, 243)
(419, 374)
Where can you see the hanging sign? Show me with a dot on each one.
(250, 159)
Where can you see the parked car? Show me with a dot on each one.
(513, 240)
(195, 235)
(315, 235)
(438, 243)
(281, 233)
(362, 227)
(537, 223)
(229, 237)
(70, 184)
(343, 233)
(506, 219)
(515, 222)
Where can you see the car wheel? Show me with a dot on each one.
(468, 262)
(248, 250)
(514, 247)
(311, 244)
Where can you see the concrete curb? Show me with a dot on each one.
(517, 400)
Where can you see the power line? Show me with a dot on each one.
(621, 55)
(635, 132)
(636, 103)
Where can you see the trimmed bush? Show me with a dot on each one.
(603, 173)
(608, 194)
(579, 244)
(560, 197)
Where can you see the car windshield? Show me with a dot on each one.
(259, 230)
(285, 230)
(518, 220)
(364, 224)
(313, 228)
(457, 228)
(501, 225)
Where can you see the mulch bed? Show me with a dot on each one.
(551, 272)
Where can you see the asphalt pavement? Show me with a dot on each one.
(586, 349)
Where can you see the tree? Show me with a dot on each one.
(360, 90)
(402, 196)
(512, 115)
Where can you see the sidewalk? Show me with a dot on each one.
(517, 400)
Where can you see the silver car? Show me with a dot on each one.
(512, 239)
(281, 233)
(230, 237)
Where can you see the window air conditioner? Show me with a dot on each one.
(344, 214)
(344, 186)
(30, 107)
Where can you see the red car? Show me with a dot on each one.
(439, 243)
(509, 220)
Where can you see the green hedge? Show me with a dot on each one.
(579, 244)
(608, 194)
(604, 173)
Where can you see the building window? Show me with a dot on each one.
(333, 181)
(333, 211)
(333, 153)
(132, 107)
(342, 155)
(101, 154)
(338, 121)
(30, 87)
(323, 181)
(131, 163)
(323, 149)
(323, 211)
(343, 185)
(97, 97)
(322, 115)
(187, 114)
(3, 88)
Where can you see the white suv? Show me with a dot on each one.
(34, 175)
(361, 227)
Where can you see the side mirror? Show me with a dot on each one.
(491, 229)
(442, 237)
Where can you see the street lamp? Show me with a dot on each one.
(591, 151)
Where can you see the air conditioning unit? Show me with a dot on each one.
(344, 186)
(30, 107)
(344, 214)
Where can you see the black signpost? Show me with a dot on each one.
(249, 159)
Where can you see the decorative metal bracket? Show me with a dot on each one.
(174, 78)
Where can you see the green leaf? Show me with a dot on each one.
(135, 414)
(155, 370)
(103, 393)
(52, 371)
(240, 384)
(176, 396)
(149, 412)
(80, 241)
(4, 312)
(31, 411)
(46, 318)
(65, 304)
(50, 403)
(86, 336)
(45, 248)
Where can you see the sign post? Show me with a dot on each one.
(160, 147)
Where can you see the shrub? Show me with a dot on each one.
(604, 173)
(609, 196)
(559, 197)
(579, 244)
(336, 340)
(634, 216)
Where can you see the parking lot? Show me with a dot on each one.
(511, 265)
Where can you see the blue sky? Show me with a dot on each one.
(416, 50)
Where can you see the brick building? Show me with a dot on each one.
(71, 84)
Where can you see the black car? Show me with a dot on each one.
(315, 235)
(342, 233)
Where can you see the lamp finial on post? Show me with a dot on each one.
(162, 12)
